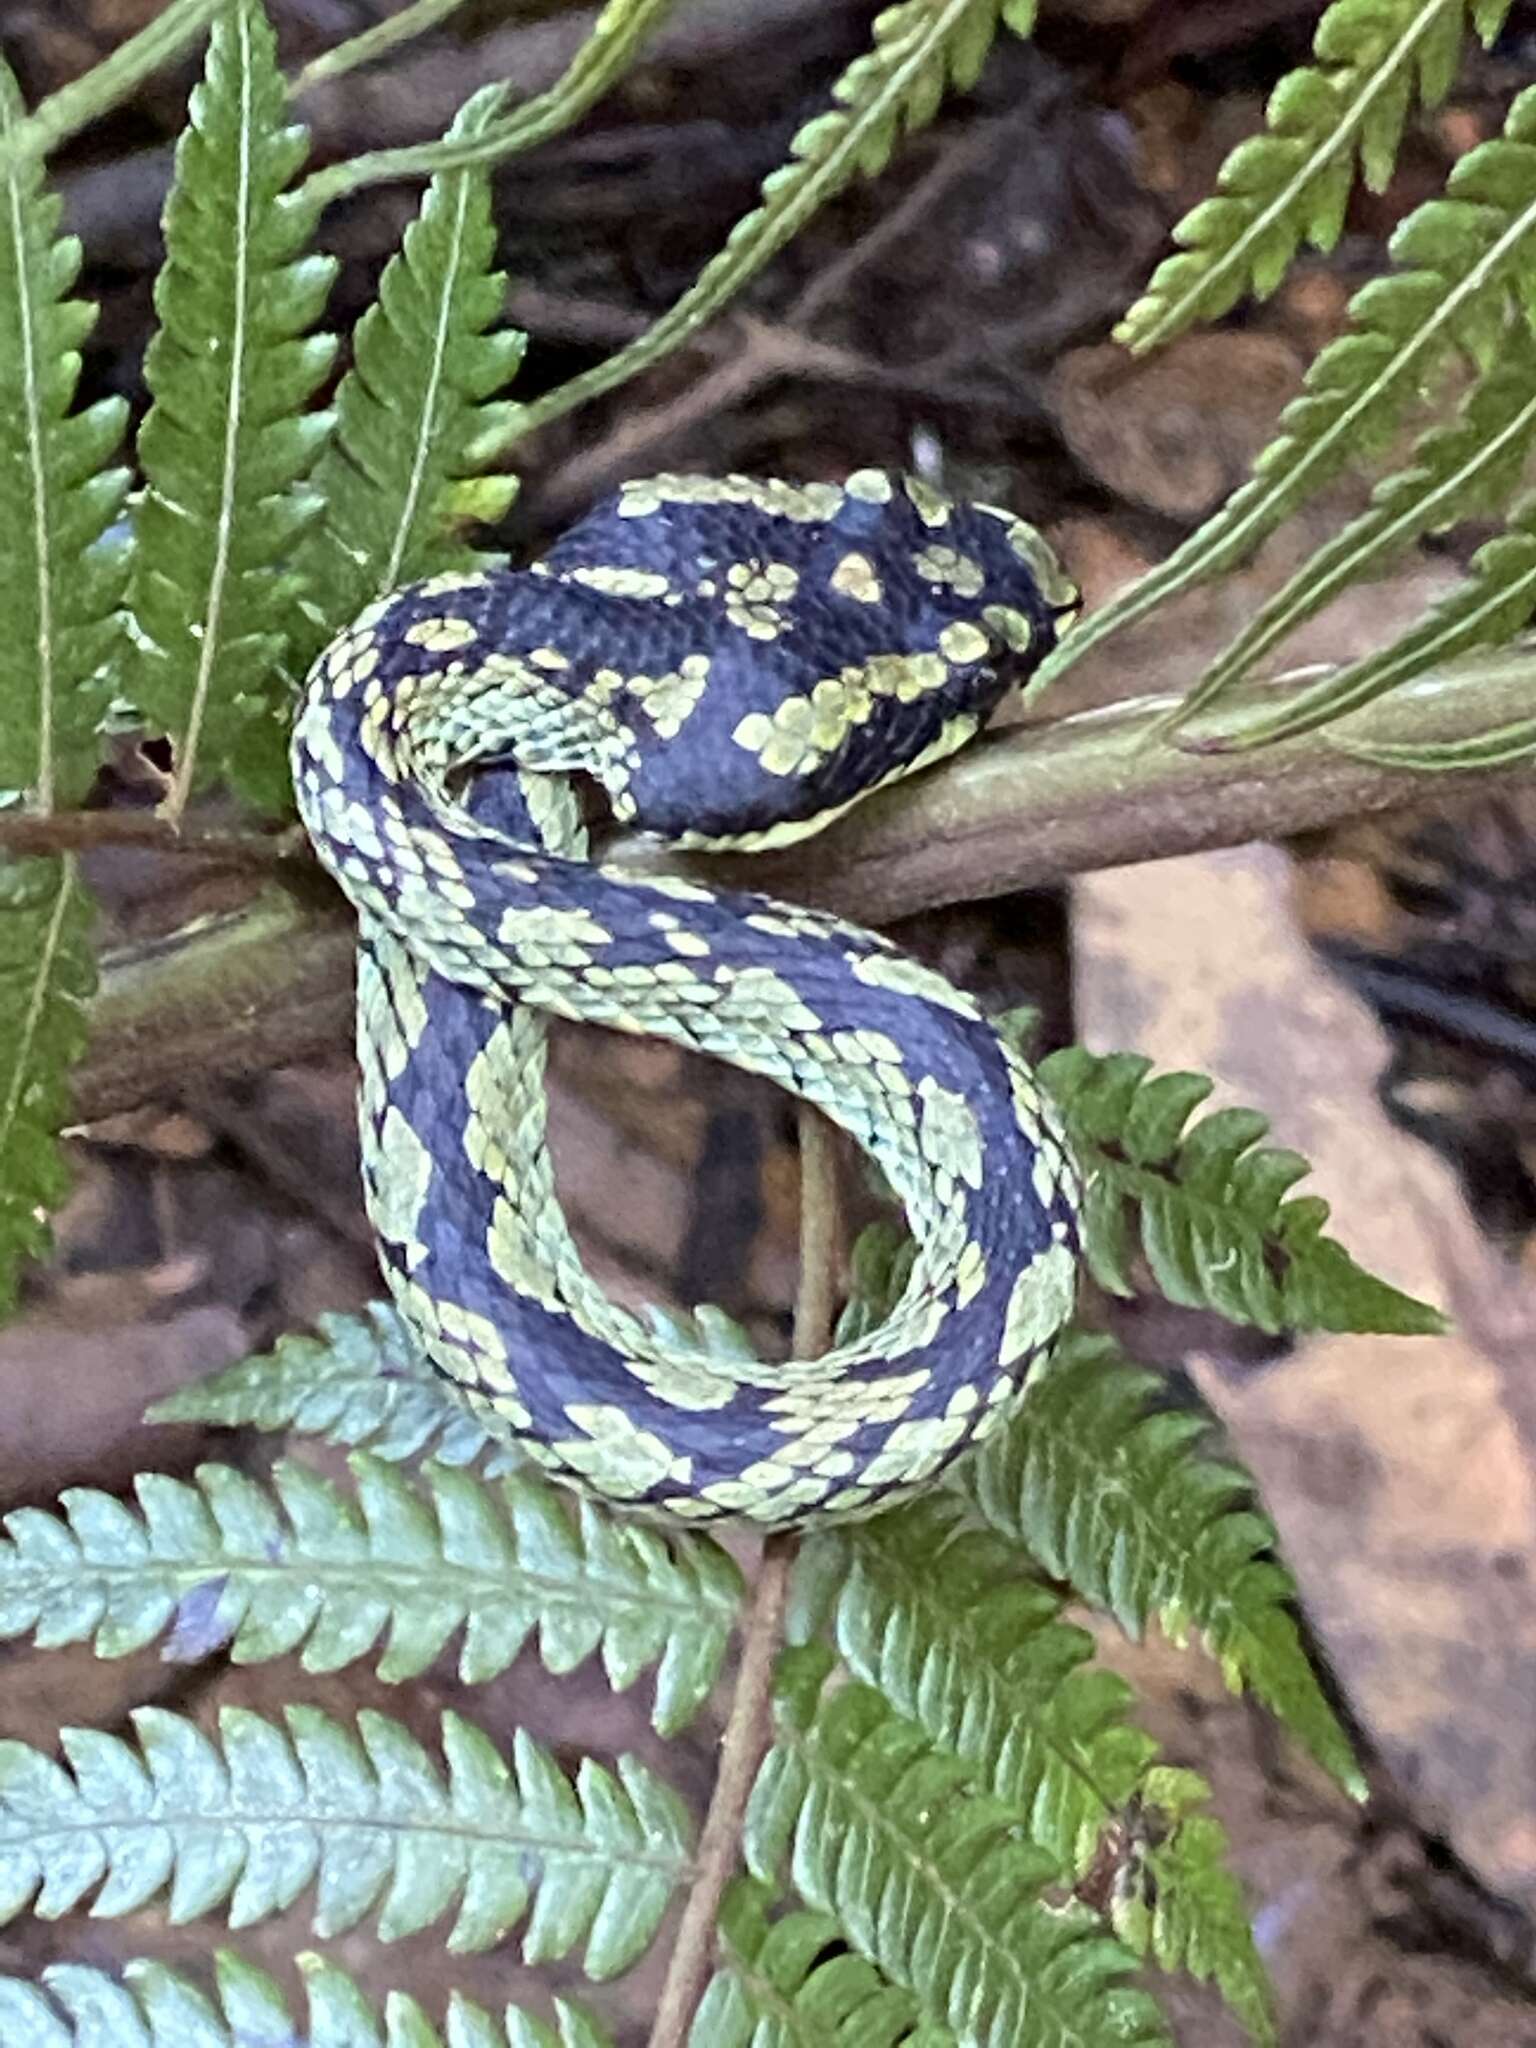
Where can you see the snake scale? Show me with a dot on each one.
(734, 662)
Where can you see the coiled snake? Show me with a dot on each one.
(735, 662)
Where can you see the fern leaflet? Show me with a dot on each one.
(1113, 1496)
(361, 1382)
(256, 1817)
(1191, 1915)
(921, 49)
(927, 1878)
(47, 973)
(946, 1623)
(228, 442)
(417, 425)
(63, 579)
(1291, 184)
(1466, 259)
(1489, 607)
(268, 1570)
(1209, 1204)
(155, 2007)
(790, 1983)
(1468, 468)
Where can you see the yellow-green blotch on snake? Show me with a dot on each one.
(735, 662)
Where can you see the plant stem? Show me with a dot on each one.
(749, 1729)
(375, 42)
(1019, 810)
(601, 61)
(108, 83)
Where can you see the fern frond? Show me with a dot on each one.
(921, 50)
(1115, 1496)
(368, 1817)
(267, 1569)
(63, 580)
(946, 1623)
(791, 1983)
(418, 424)
(928, 1879)
(228, 441)
(1209, 1205)
(154, 2006)
(1494, 601)
(1466, 469)
(1374, 59)
(1192, 1916)
(1466, 259)
(362, 1382)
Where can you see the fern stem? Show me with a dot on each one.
(749, 1729)
(374, 42)
(108, 83)
(602, 59)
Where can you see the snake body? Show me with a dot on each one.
(734, 662)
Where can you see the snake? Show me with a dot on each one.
(731, 662)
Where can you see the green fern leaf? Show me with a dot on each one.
(156, 2007)
(268, 1569)
(1291, 184)
(1467, 469)
(945, 1623)
(228, 442)
(1465, 261)
(790, 1983)
(1113, 1496)
(1193, 1916)
(1209, 1205)
(921, 49)
(47, 974)
(928, 1879)
(417, 417)
(63, 579)
(254, 1819)
(361, 1382)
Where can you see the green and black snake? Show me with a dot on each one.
(735, 662)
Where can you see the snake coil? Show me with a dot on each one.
(735, 662)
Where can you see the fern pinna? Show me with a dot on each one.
(948, 1760)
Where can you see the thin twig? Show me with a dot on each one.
(749, 1729)
(747, 1735)
(86, 831)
